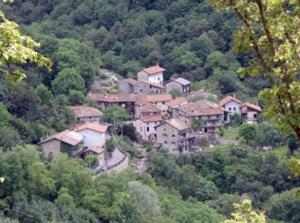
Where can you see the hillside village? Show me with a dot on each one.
(177, 124)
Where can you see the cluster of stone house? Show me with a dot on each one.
(167, 122)
(174, 124)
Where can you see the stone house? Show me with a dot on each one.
(69, 142)
(152, 74)
(176, 136)
(126, 85)
(85, 114)
(145, 126)
(250, 112)
(210, 114)
(104, 100)
(232, 105)
(94, 134)
(181, 85)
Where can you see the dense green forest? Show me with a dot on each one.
(187, 37)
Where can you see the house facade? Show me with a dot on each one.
(146, 87)
(181, 85)
(232, 105)
(68, 142)
(85, 114)
(145, 126)
(250, 112)
(210, 115)
(152, 74)
(176, 136)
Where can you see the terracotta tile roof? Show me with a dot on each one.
(178, 124)
(69, 137)
(149, 108)
(177, 102)
(252, 106)
(104, 97)
(159, 97)
(201, 108)
(182, 81)
(131, 81)
(85, 111)
(227, 99)
(150, 118)
(92, 126)
(154, 70)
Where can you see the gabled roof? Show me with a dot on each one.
(95, 149)
(201, 108)
(69, 137)
(92, 126)
(85, 111)
(104, 97)
(150, 118)
(177, 102)
(177, 124)
(149, 108)
(227, 99)
(154, 70)
(182, 81)
(252, 106)
(159, 97)
(131, 81)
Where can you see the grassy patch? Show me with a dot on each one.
(280, 152)
(231, 133)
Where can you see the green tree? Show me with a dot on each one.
(275, 42)
(17, 49)
(44, 94)
(5, 116)
(244, 213)
(64, 198)
(248, 133)
(116, 116)
(10, 137)
(292, 143)
(68, 79)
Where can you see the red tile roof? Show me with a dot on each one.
(252, 106)
(131, 81)
(159, 97)
(154, 70)
(152, 84)
(177, 102)
(95, 149)
(85, 111)
(92, 126)
(227, 99)
(150, 118)
(176, 123)
(149, 108)
(104, 97)
(201, 108)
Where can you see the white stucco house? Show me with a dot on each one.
(232, 105)
(152, 74)
(94, 134)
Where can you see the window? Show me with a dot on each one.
(229, 108)
(148, 129)
(234, 108)
(254, 115)
(165, 135)
(173, 143)
(90, 117)
(141, 90)
(165, 142)
(173, 135)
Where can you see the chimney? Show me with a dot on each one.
(233, 95)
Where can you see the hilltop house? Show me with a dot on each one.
(139, 87)
(67, 141)
(94, 134)
(181, 85)
(86, 114)
(250, 112)
(104, 100)
(176, 136)
(152, 74)
(211, 115)
(232, 105)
